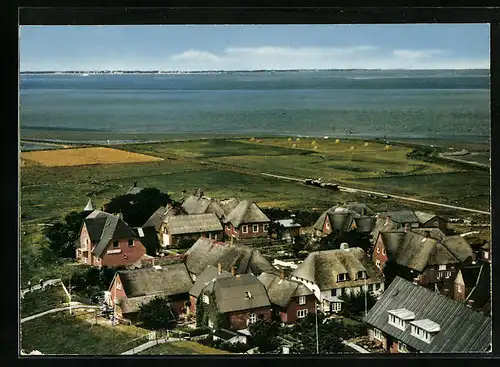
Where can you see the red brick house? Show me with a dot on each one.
(408, 318)
(106, 240)
(245, 221)
(291, 300)
(131, 288)
(240, 299)
(473, 285)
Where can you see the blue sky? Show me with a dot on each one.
(250, 47)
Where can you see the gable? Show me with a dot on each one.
(327, 227)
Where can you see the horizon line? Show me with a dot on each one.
(236, 70)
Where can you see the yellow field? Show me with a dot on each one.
(83, 156)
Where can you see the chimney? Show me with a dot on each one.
(407, 227)
(427, 234)
(344, 246)
(233, 270)
(219, 268)
(282, 273)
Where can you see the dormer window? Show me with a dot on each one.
(341, 277)
(361, 275)
(399, 318)
(424, 330)
(248, 295)
(116, 244)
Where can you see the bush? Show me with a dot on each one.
(157, 314)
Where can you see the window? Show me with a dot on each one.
(301, 313)
(244, 228)
(86, 241)
(341, 277)
(116, 244)
(253, 318)
(486, 255)
(459, 289)
(336, 292)
(194, 277)
(421, 334)
(302, 300)
(361, 274)
(383, 251)
(248, 295)
(377, 263)
(442, 267)
(266, 227)
(130, 243)
(336, 306)
(255, 228)
(402, 347)
(378, 250)
(377, 334)
(227, 227)
(397, 322)
(206, 299)
(119, 286)
(447, 274)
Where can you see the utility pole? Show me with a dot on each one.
(317, 336)
(366, 303)
(69, 293)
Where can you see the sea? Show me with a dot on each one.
(367, 103)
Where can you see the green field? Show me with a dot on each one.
(61, 333)
(183, 347)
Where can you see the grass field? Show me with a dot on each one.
(183, 347)
(61, 333)
(42, 300)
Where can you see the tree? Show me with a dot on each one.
(264, 334)
(328, 337)
(157, 314)
(277, 229)
(62, 235)
(354, 304)
(137, 209)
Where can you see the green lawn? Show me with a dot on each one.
(181, 347)
(61, 333)
(42, 300)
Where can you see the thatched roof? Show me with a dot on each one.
(281, 291)
(195, 204)
(323, 267)
(185, 224)
(246, 212)
(208, 275)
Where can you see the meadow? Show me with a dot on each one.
(181, 347)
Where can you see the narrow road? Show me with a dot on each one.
(56, 310)
(477, 164)
(353, 190)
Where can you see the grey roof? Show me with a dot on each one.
(364, 224)
(230, 293)
(169, 280)
(461, 328)
(281, 291)
(89, 207)
(436, 233)
(131, 305)
(206, 252)
(288, 223)
(401, 216)
(415, 251)
(104, 227)
(195, 223)
(323, 267)
(209, 274)
(459, 247)
(360, 208)
(201, 204)
(156, 219)
(339, 220)
(424, 217)
(246, 212)
(382, 225)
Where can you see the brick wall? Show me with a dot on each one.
(433, 275)
(178, 306)
(238, 232)
(133, 254)
(378, 253)
(394, 347)
(192, 306)
(239, 320)
(116, 292)
(382, 342)
(294, 306)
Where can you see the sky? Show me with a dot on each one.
(254, 47)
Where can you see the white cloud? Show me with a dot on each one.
(417, 54)
(194, 55)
